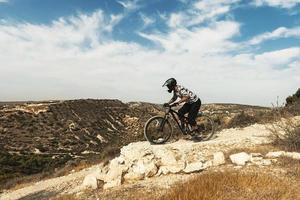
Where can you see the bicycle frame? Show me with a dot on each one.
(175, 116)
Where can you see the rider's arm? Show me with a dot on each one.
(173, 98)
(183, 99)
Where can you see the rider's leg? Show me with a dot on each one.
(182, 111)
(195, 107)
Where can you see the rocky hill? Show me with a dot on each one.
(253, 169)
(41, 136)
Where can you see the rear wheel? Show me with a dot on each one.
(205, 127)
(157, 130)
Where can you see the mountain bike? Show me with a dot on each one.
(158, 129)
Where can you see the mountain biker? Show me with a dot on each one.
(192, 102)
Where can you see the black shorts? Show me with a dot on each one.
(192, 109)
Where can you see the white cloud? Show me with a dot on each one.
(146, 20)
(4, 1)
(129, 5)
(281, 32)
(75, 58)
(201, 11)
(199, 40)
(277, 3)
(280, 57)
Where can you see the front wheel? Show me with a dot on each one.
(206, 127)
(157, 130)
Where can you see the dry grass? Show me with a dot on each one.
(292, 167)
(233, 185)
(66, 197)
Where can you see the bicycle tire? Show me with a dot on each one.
(206, 127)
(156, 121)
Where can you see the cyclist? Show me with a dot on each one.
(192, 102)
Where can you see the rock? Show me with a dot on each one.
(131, 176)
(193, 167)
(256, 160)
(240, 158)
(113, 183)
(294, 155)
(99, 174)
(207, 164)
(90, 181)
(150, 170)
(266, 162)
(113, 174)
(256, 154)
(141, 170)
(275, 154)
(219, 159)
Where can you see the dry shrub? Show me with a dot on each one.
(233, 185)
(242, 120)
(286, 135)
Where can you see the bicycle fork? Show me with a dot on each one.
(163, 123)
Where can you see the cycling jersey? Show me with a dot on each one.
(181, 91)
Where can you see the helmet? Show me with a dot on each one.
(170, 83)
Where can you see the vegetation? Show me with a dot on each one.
(286, 135)
(12, 166)
(233, 185)
(293, 103)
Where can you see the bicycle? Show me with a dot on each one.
(158, 129)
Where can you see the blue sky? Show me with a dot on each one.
(226, 51)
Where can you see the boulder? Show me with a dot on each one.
(193, 167)
(218, 159)
(90, 181)
(141, 170)
(240, 158)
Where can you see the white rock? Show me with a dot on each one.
(294, 155)
(114, 174)
(114, 183)
(142, 169)
(150, 169)
(219, 159)
(266, 162)
(131, 176)
(240, 158)
(275, 154)
(193, 167)
(121, 160)
(90, 181)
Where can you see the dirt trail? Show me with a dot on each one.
(227, 139)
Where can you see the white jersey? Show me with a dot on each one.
(181, 91)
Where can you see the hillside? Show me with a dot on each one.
(144, 171)
(43, 136)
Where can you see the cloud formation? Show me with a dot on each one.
(281, 32)
(77, 57)
(277, 3)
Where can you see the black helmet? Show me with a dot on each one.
(170, 83)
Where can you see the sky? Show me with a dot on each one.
(226, 51)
